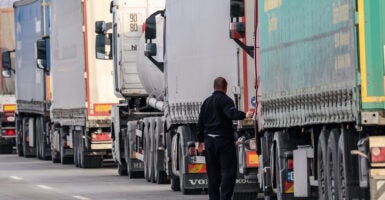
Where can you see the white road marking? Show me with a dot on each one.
(81, 198)
(44, 187)
(16, 178)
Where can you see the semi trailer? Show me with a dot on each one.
(7, 85)
(320, 93)
(31, 18)
(154, 128)
(81, 85)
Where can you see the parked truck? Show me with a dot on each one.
(155, 130)
(7, 85)
(31, 24)
(320, 87)
(81, 85)
(127, 24)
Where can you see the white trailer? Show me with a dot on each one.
(154, 129)
(82, 92)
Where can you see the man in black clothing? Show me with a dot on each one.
(216, 131)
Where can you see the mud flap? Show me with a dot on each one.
(377, 184)
(243, 185)
(136, 165)
(195, 181)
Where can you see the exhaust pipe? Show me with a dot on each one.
(155, 103)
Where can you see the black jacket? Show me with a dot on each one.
(216, 115)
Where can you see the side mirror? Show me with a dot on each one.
(100, 46)
(6, 73)
(150, 30)
(6, 60)
(42, 54)
(150, 49)
(100, 27)
(237, 30)
(237, 8)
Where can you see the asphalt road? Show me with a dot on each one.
(33, 179)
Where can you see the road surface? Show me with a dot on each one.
(33, 179)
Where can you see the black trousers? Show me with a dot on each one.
(221, 164)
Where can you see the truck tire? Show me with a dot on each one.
(332, 166)
(19, 134)
(175, 180)
(76, 149)
(160, 174)
(122, 168)
(41, 143)
(37, 139)
(146, 147)
(175, 185)
(266, 184)
(321, 164)
(152, 150)
(185, 136)
(159, 159)
(279, 146)
(348, 168)
(55, 156)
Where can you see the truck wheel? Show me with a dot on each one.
(55, 156)
(19, 133)
(175, 185)
(146, 147)
(160, 174)
(321, 164)
(182, 168)
(47, 145)
(75, 143)
(174, 147)
(37, 139)
(332, 166)
(152, 150)
(122, 169)
(348, 168)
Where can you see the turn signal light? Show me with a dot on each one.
(192, 151)
(378, 154)
(290, 164)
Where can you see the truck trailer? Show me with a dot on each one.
(31, 18)
(320, 93)
(81, 85)
(155, 127)
(127, 24)
(7, 85)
